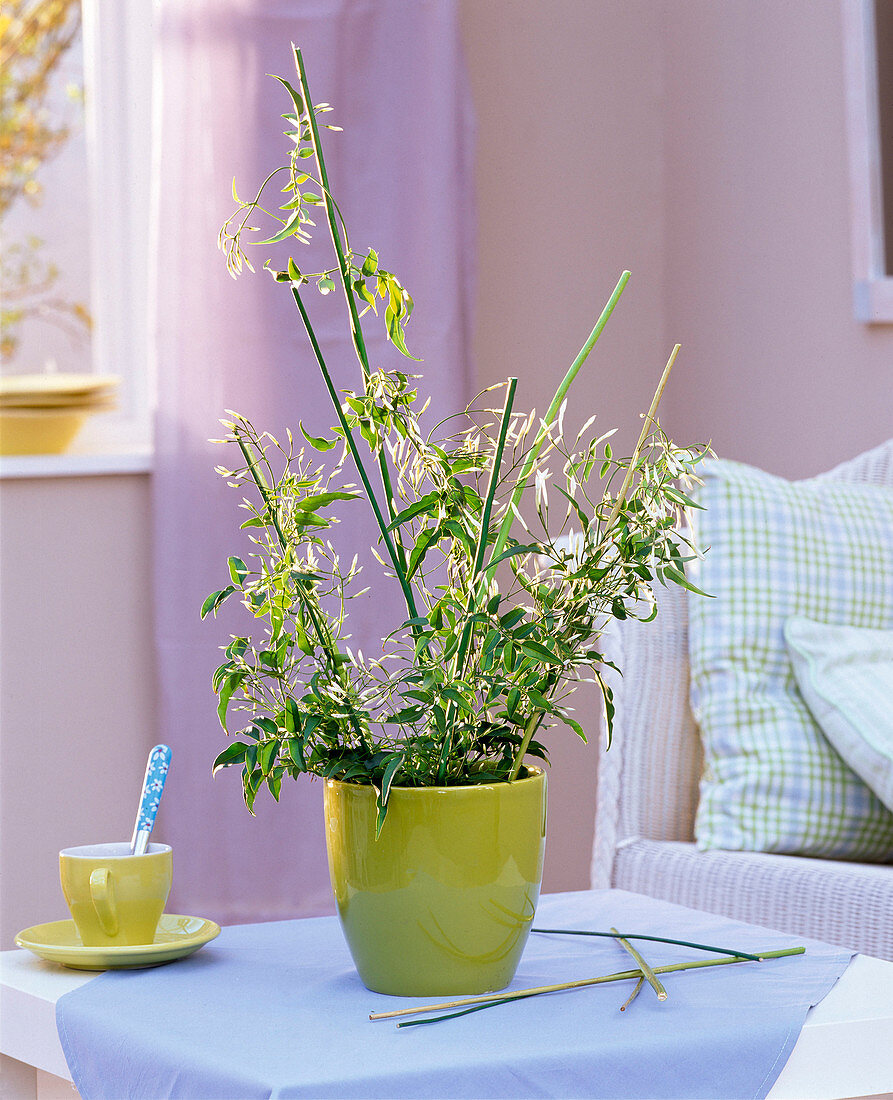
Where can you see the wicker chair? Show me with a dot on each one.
(648, 791)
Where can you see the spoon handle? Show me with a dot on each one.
(153, 784)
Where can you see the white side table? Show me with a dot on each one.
(845, 1048)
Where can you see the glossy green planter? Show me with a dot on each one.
(443, 901)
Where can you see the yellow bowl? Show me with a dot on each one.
(38, 431)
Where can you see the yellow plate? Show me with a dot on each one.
(53, 401)
(56, 383)
(176, 938)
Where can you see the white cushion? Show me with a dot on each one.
(845, 675)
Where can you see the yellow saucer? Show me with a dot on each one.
(59, 942)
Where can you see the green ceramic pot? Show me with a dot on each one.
(443, 901)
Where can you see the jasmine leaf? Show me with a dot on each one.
(291, 227)
(215, 600)
(427, 503)
(676, 575)
(295, 98)
(426, 537)
(318, 443)
(322, 500)
(540, 653)
(510, 553)
(238, 570)
(232, 754)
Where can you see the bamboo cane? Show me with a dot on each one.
(647, 972)
(559, 987)
(636, 990)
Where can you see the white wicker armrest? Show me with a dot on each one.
(846, 903)
(648, 779)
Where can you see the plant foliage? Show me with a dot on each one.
(503, 613)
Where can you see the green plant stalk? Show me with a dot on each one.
(399, 567)
(356, 328)
(343, 266)
(323, 637)
(623, 975)
(647, 972)
(494, 478)
(533, 724)
(262, 488)
(480, 553)
(552, 411)
(654, 939)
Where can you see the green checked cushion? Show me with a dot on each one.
(820, 549)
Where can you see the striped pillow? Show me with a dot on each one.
(819, 549)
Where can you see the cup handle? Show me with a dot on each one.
(102, 891)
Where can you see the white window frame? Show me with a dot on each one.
(872, 286)
(118, 60)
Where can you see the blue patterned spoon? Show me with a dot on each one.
(153, 785)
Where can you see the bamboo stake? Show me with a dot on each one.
(646, 429)
(636, 990)
(560, 987)
(647, 972)
(552, 412)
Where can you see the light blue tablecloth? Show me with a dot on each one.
(277, 1010)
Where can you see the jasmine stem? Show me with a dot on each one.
(356, 329)
(533, 724)
(399, 570)
(637, 988)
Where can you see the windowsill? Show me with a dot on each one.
(124, 460)
(873, 300)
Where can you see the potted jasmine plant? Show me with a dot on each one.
(508, 573)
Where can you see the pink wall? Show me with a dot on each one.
(757, 266)
(77, 679)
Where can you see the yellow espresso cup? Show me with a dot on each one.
(116, 899)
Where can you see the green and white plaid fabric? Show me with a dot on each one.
(819, 549)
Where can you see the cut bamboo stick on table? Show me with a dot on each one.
(647, 973)
(636, 990)
(560, 987)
